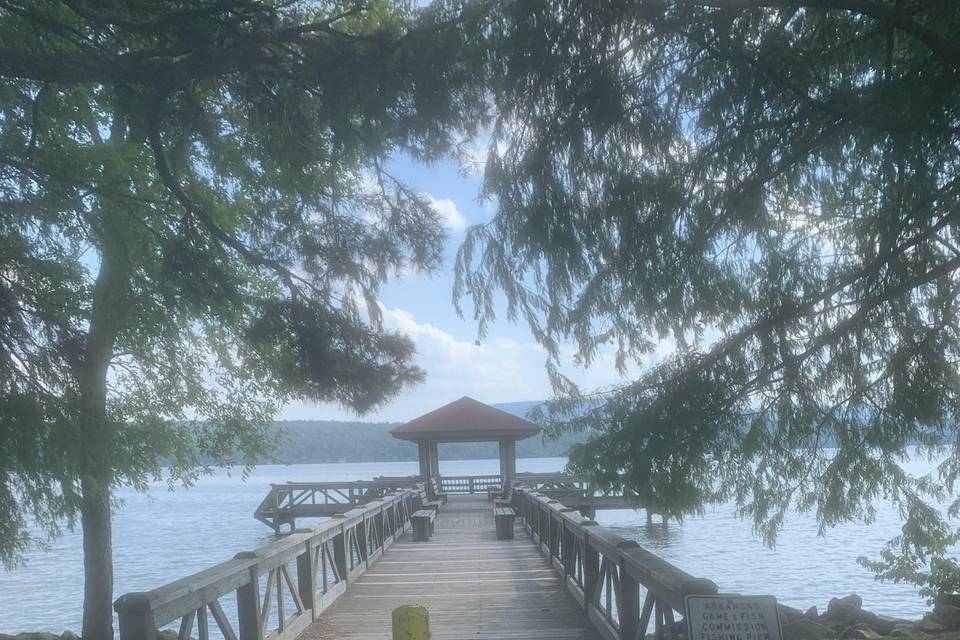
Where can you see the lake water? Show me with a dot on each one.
(166, 535)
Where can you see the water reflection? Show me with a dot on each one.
(651, 534)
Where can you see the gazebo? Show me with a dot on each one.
(466, 420)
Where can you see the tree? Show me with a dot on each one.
(195, 220)
(770, 186)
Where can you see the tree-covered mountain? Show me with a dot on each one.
(304, 441)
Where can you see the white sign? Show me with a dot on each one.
(732, 618)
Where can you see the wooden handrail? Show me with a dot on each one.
(287, 501)
(328, 558)
(606, 572)
(469, 484)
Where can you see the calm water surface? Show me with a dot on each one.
(167, 535)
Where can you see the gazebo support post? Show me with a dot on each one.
(508, 459)
(423, 451)
(434, 458)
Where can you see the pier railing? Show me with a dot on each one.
(469, 484)
(621, 586)
(291, 500)
(309, 568)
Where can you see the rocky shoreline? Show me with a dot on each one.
(844, 619)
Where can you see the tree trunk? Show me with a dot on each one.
(108, 313)
(97, 561)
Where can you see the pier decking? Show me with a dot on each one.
(562, 576)
(473, 585)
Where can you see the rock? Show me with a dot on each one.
(860, 631)
(789, 614)
(953, 599)
(929, 626)
(166, 634)
(947, 615)
(36, 635)
(69, 635)
(811, 613)
(804, 629)
(845, 607)
(868, 617)
(885, 624)
(902, 631)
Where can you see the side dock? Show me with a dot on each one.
(543, 571)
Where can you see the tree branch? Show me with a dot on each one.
(947, 52)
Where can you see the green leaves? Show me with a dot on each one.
(323, 356)
(195, 222)
(772, 193)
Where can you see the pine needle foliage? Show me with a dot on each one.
(771, 188)
(195, 218)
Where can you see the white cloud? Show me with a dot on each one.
(497, 370)
(452, 217)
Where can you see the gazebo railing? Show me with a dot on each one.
(469, 484)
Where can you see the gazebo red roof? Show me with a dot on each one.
(466, 420)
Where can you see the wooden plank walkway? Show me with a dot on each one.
(474, 586)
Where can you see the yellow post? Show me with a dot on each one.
(411, 622)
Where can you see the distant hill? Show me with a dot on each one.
(521, 409)
(305, 441)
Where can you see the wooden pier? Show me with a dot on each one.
(286, 503)
(473, 585)
(560, 576)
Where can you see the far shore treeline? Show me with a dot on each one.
(321, 441)
(308, 441)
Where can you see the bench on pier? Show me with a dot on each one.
(436, 492)
(503, 516)
(504, 493)
(423, 524)
(503, 502)
(433, 505)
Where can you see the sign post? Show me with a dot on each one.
(720, 617)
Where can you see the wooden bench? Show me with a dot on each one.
(423, 524)
(436, 492)
(504, 520)
(433, 505)
(494, 492)
(503, 502)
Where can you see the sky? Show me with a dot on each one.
(507, 366)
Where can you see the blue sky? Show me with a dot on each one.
(507, 366)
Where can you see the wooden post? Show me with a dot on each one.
(340, 555)
(423, 454)
(508, 460)
(136, 617)
(360, 532)
(307, 580)
(568, 560)
(554, 536)
(591, 574)
(629, 605)
(435, 459)
(380, 529)
(276, 513)
(248, 603)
